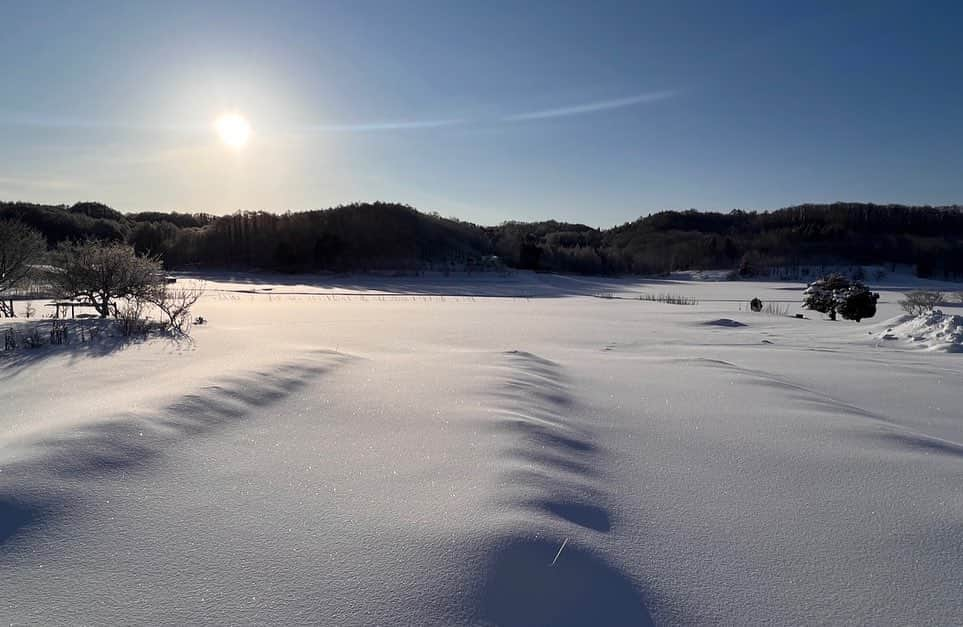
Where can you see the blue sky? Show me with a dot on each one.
(596, 112)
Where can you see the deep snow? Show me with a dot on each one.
(486, 450)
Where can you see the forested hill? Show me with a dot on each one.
(373, 236)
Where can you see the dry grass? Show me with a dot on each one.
(776, 309)
(669, 299)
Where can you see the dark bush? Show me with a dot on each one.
(857, 303)
(835, 293)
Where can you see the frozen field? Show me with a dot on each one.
(486, 450)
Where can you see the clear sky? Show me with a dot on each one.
(587, 111)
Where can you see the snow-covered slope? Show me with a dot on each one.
(411, 451)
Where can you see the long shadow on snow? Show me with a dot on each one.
(552, 470)
(892, 432)
(130, 442)
(15, 515)
(525, 588)
(588, 516)
(17, 361)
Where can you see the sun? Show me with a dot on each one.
(233, 130)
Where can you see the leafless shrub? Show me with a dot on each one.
(131, 317)
(33, 340)
(175, 304)
(921, 301)
(59, 333)
(9, 340)
(29, 310)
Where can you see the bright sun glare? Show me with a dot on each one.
(233, 130)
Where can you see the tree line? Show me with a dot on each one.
(376, 236)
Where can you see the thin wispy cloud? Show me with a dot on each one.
(28, 120)
(592, 107)
(384, 126)
(20, 119)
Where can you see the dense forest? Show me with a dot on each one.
(387, 236)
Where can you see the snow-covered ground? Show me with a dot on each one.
(486, 450)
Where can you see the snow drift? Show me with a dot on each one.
(933, 330)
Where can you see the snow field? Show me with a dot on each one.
(441, 457)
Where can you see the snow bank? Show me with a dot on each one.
(933, 330)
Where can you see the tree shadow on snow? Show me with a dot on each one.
(15, 361)
(525, 588)
(15, 516)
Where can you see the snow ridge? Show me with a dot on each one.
(887, 430)
(45, 476)
(548, 572)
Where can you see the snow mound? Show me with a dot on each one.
(724, 322)
(933, 330)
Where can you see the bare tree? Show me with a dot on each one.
(175, 303)
(21, 247)
(921, 301)
(100, 273)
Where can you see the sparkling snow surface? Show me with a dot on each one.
(486, 450)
